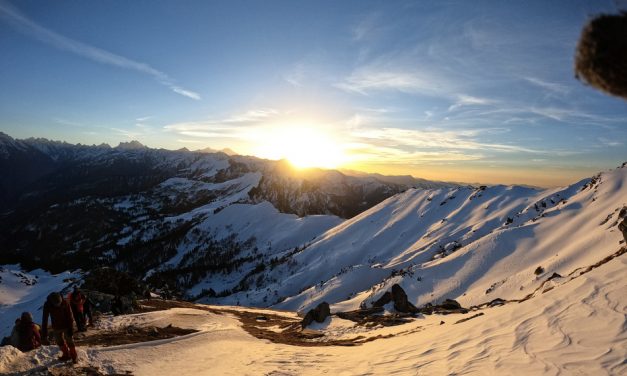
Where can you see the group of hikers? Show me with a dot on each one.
(63, 313)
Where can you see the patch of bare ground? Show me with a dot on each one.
(129, 334)
(274, 328)
(68, 370)
(369, 317)
(81, 371)
(469, 318)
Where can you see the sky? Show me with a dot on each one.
(466, 91)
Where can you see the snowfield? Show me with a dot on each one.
(554, 258)
(576, 328)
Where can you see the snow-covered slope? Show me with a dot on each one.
(22, 291)
(471, 244)
(576, 328)
(556, 258)
(179, 218)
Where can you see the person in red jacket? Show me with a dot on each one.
(27, 333)
(77, 303)
(63, 324)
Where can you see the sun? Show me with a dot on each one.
(304, 146)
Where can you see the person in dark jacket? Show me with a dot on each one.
(88, 309)
(63, 324)
(28, 337)
(117, 306)
(77, 302)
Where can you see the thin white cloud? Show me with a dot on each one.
(468, 100)
(68, 122)
(365, 80)
(234, 126)
(364, 27)
(550, 86)
(187, 141)
(432, 139)
(297, 75)
(252, 116)
(56, 40)
(126, 133)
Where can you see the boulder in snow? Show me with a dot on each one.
(319, 314)
(401, 304)
(383, 300)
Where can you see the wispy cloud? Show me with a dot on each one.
(234, 126)
(126, 133)
(296, 75)
(68, 122)
(368, 79)
(550, 86)
(365, 26)
(468, 100)
(56, 40)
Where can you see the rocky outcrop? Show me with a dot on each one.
(623, 228)
(446, 307)
(399, 297)
(401, 304)
(318, 314)
(383, 300)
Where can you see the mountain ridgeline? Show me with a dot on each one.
(65, 206)
(239, 230)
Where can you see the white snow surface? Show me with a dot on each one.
(576, 328)
(469, 244)
(22, 291)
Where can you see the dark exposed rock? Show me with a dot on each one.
(383, 300)
(450, 304)
(496, 302)
(361, 314)
(469, 318)
(554, 275)
(539, 270)
(401, 304)
(374, 316)
(623, 228)
(319, 314)
(446, 307)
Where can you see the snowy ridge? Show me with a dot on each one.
(470, 244)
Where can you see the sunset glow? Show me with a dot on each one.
(467, 91)
(304, 146)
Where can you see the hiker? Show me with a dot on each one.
(88, 308)
(117, 307)
(63, 324)
(28, 337)
(13, 338)
(77, 302)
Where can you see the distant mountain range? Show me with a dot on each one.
(231, 229)
(65, 206)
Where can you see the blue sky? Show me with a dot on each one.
(471, 91)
